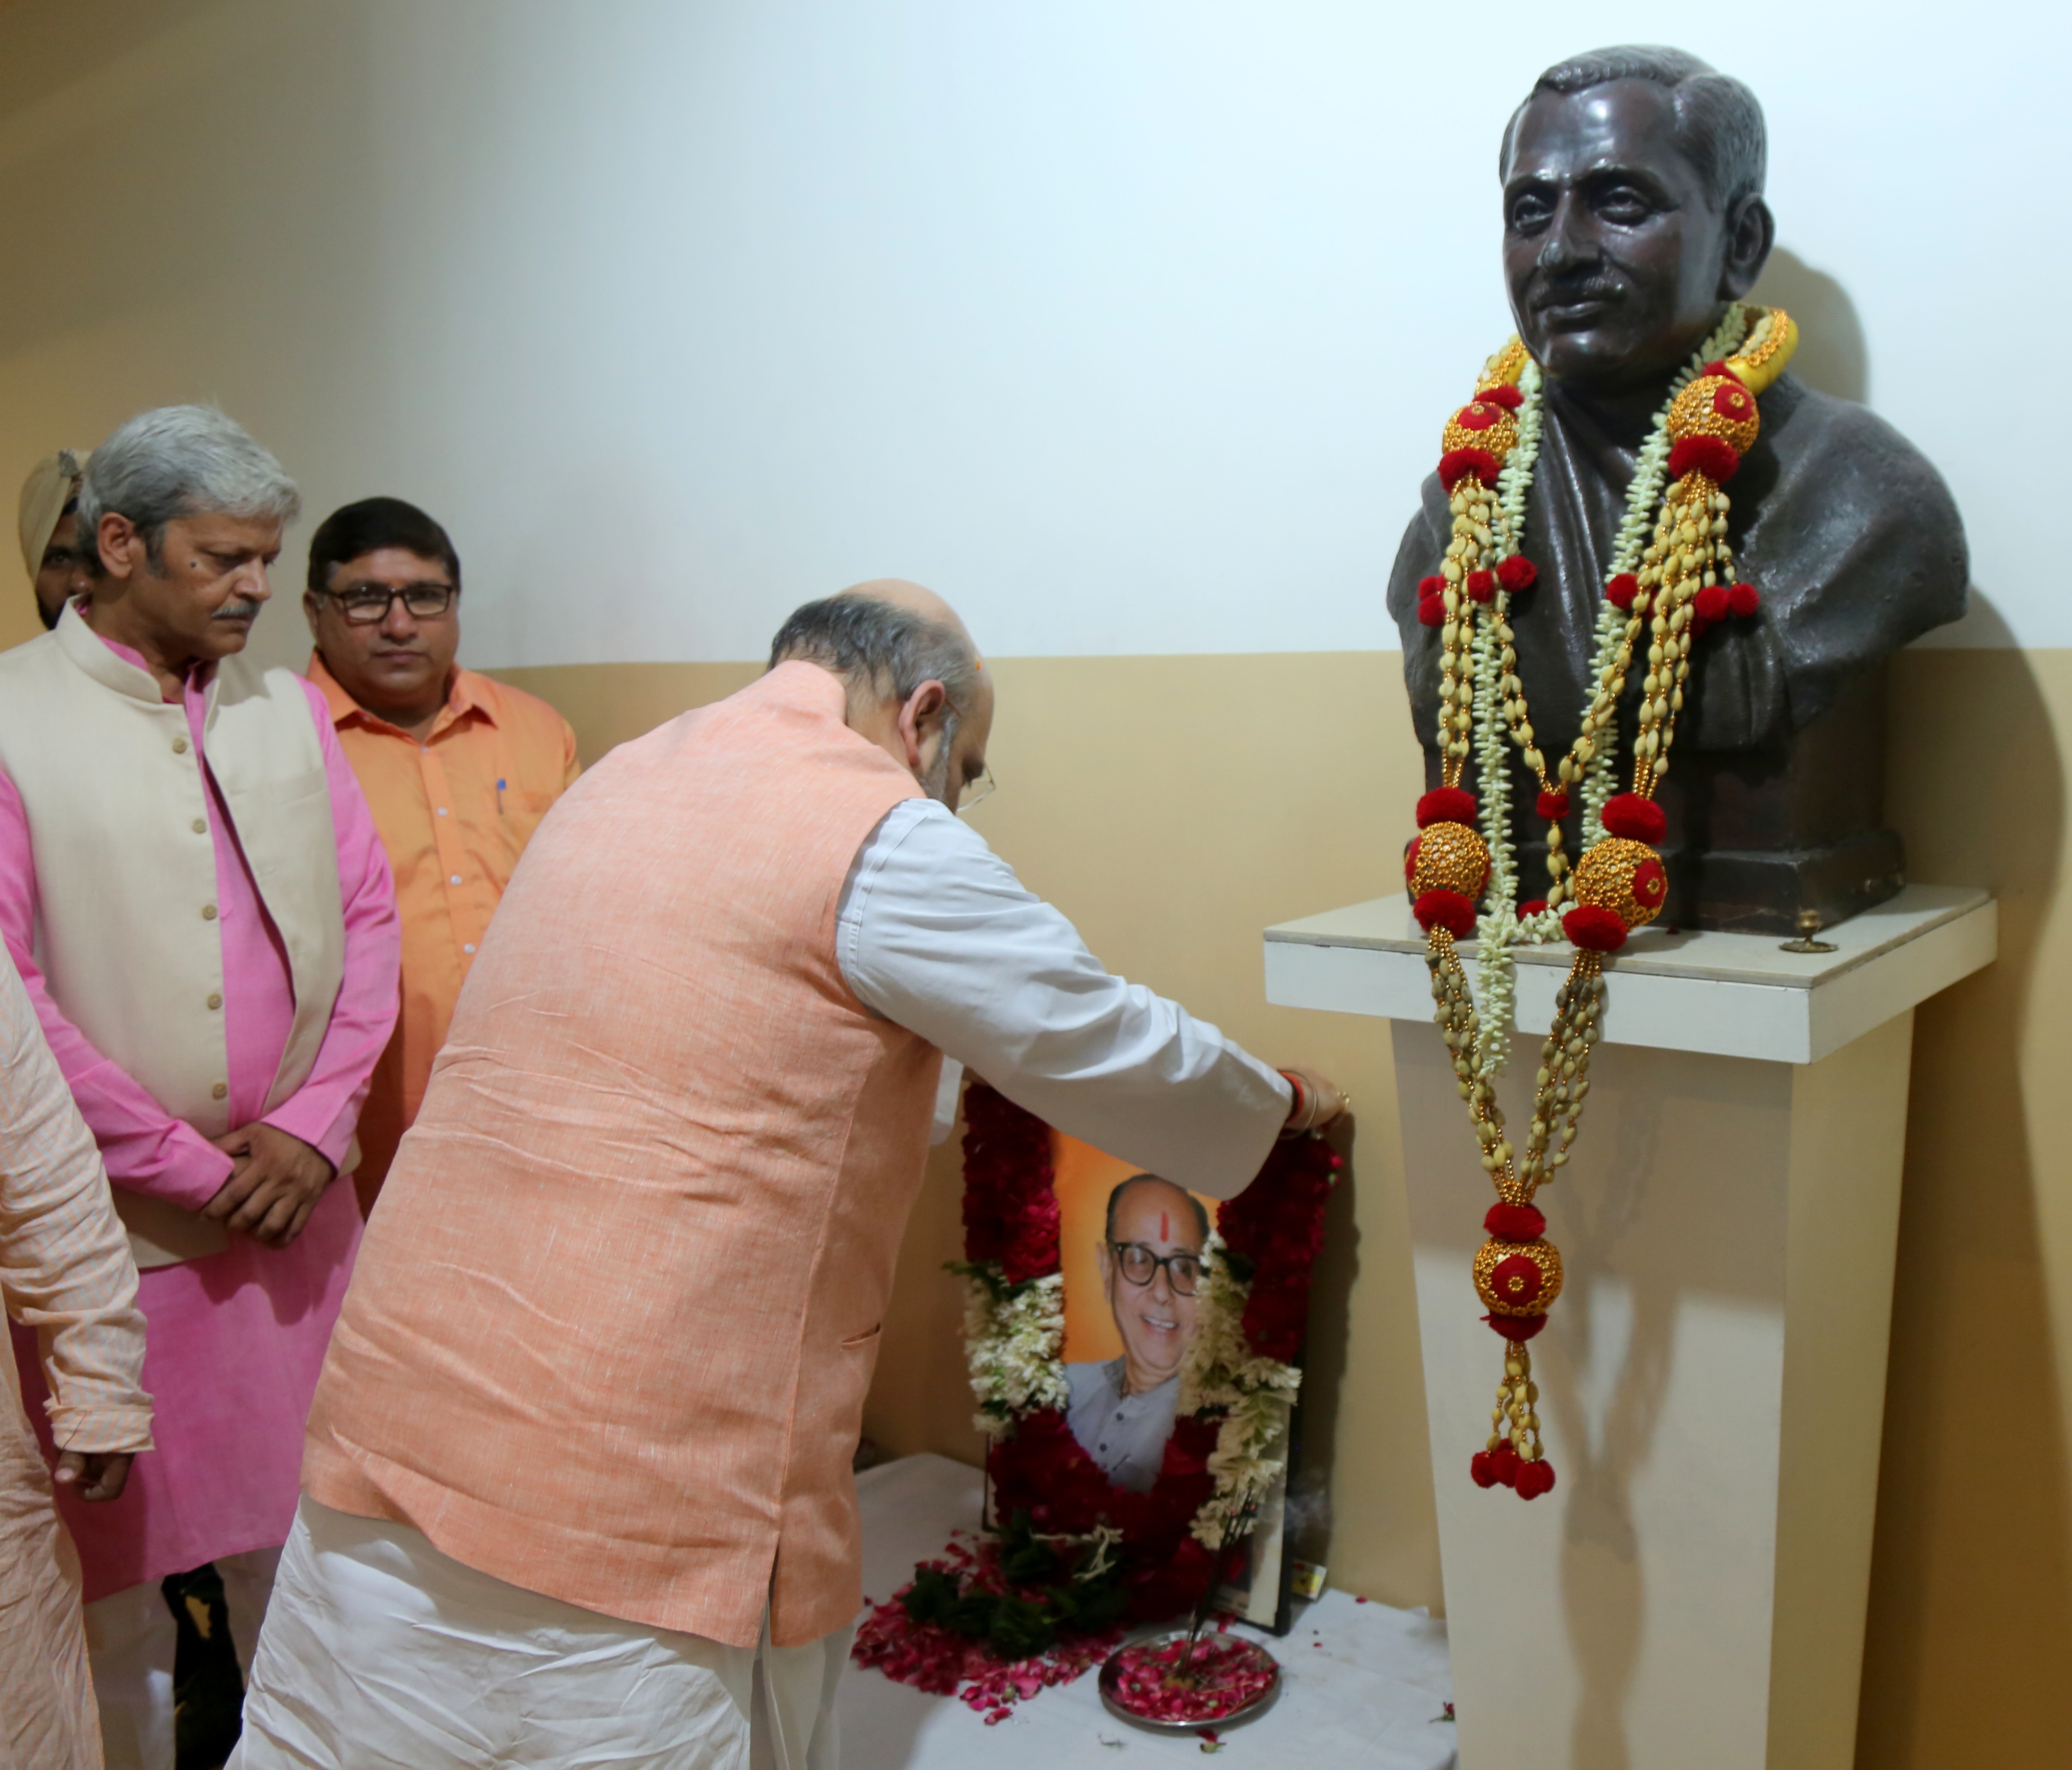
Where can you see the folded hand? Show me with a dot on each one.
(273, 1187)
(94, 1475)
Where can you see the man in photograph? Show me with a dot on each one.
(1122, 1409)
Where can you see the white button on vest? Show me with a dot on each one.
(454, 880)
(215, 1001)
(209, 912)
(201, 826)
(220, 1090)
(179, 747)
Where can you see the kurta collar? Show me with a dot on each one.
(112, 667)
(466, 694)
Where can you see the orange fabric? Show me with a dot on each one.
(455, 812)
(610, 1331)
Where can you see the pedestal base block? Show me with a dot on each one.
(1693, 1590)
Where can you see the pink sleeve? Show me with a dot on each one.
(323, 1111)
(145, 1148)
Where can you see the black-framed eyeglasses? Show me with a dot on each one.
(1139, 1265)
(365, 604)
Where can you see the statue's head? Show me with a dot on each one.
(1633, 212)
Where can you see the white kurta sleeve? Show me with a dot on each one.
(936, 933)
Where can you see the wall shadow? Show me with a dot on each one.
(1832, 355)
(1969, 1646)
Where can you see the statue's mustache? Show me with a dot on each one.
(1558, 291)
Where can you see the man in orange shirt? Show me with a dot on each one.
(457, 769)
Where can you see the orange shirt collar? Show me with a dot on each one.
(466, 694)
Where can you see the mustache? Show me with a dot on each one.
(243, 609)
(1560, 291)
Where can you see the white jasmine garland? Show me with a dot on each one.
(1499, 927)
(1014, 1341)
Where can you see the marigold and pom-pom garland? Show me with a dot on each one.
(1672, 580)
(1081, 1556)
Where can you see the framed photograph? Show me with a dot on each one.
(1136, 1352)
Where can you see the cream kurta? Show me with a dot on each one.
(66, 1271)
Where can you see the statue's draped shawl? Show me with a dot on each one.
(1848, 533)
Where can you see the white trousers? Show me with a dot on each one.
(381, 1653)
(131, 1641)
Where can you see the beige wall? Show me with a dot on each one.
(1175, 805)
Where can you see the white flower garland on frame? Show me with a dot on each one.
(1014, 1343)
(1499, 927)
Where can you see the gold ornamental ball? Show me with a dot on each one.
(1449, 858)
(1518, 1277)
(1624, 877)
(1482, 424)
(1716, 405)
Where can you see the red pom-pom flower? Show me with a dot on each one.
(1532, 906)
(1448, 909)
(1515, 1327)
(1553, 804)
(1433, 586)
(1455, 465)
(1480, 1471)
(1534, 1478)
(1517, 573)
(1432, 610)
(1504, 394)
(1481, 586)
(1598, 930)
(1621, 591)
(1710, 604)
(1637, 819)
(1711, 455)
(1446, 806)
(1509, 1222)
(1742, 600)
(1719, 367)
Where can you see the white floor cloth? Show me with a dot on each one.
(380, 1654)
(1363, 1684)
(131, 1639)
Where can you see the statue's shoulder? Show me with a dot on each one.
(1852, 535)
(1845, 456)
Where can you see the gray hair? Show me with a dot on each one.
(1719, 124)
(894, 649)
(181, 461)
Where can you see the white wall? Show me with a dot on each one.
(1130, 327)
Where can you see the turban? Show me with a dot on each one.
(52, 483)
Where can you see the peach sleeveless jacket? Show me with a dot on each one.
(617, 1307)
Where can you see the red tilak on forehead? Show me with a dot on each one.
(1165, 1234)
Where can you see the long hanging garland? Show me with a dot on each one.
(1671, 578)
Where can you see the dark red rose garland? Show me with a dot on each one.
(1081, 1556)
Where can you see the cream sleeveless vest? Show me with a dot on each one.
(610, 1333)
(125, 873)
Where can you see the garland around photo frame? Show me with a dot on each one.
(1671, 579)
(1236, 1384)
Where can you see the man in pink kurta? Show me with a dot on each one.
(236, 1336)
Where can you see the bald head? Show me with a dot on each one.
(904, 594)
(913, 679)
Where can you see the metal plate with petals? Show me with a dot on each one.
(1111, 1684)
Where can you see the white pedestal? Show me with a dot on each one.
(1712, 1380)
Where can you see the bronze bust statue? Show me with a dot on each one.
(1633, 214)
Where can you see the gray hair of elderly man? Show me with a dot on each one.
(181, 461)
(896, 649)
